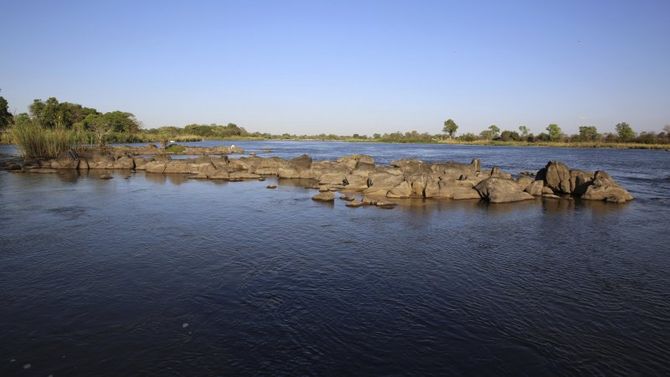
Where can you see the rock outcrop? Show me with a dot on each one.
(358, 174)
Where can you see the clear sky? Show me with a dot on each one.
(346, 66)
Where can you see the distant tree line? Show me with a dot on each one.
(624, 133)
(93, 126)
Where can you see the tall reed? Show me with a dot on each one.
(37, 142)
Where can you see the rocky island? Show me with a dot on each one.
(360, 180)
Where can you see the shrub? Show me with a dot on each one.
(37, 142)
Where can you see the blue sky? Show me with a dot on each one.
(346, 66)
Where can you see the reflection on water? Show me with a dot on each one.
(159, 273)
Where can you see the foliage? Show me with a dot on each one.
(588, 133)
(450, 127)
(6, 118)
(495, 131)
(625, 131)
(39, 142)
(524, 131)
(554, 132)
(509, 136)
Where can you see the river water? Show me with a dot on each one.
(159, 275)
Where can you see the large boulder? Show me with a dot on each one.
(124, 162)
(356, 182)
(381, 182)
(176, 167)
(603, 187)
(524, 181)
(353, 161)
(556, 175)
(501, 190)
(456, 189)
(579, 181)
(418, 184)
(66, 160)
(535, 188)
(155, 166)
(402, 190)
(299, 167)
(332, 179)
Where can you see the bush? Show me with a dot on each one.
(37, 142)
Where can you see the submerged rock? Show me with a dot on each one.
(324, 197)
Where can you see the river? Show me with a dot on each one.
(160, 275)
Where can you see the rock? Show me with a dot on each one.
(524, 181)
(347, 198)
(271, 187)
(124, 162)
(356, 182)
(176, 167)
(498, 173)
(355, 204)
(418, 184)
(457, 190)
(302, 162)
(140, 163)
(551, 196)
(501, 190)
(383, 182)
(105, 176)
(324, 197)
(242, 175)
(476, 165)
(155, 167)
(402, 190)
(42, 171)
(218, 174)
(261, 179)
(535, 188)
(332, 179)
(603, 187)
(557, 177)
(580, 181)
(352, 162)
(432, 189)
(385, 205)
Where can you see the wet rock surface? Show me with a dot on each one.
(358, 175)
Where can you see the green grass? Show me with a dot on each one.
(174, 148)
(36, 142)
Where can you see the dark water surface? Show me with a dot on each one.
(158, 275)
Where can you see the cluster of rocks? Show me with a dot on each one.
(375, 184)
(152, 149)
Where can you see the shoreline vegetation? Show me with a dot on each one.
(50, 128)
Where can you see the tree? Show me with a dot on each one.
(450, 127)
(625, 131)
(486, 134)
(588, 133)
(6, 118)
(554, 132)
(667, 128)
(100, 126)
(510, 135)
(524, 131)
(122, 122)
(495, 131)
